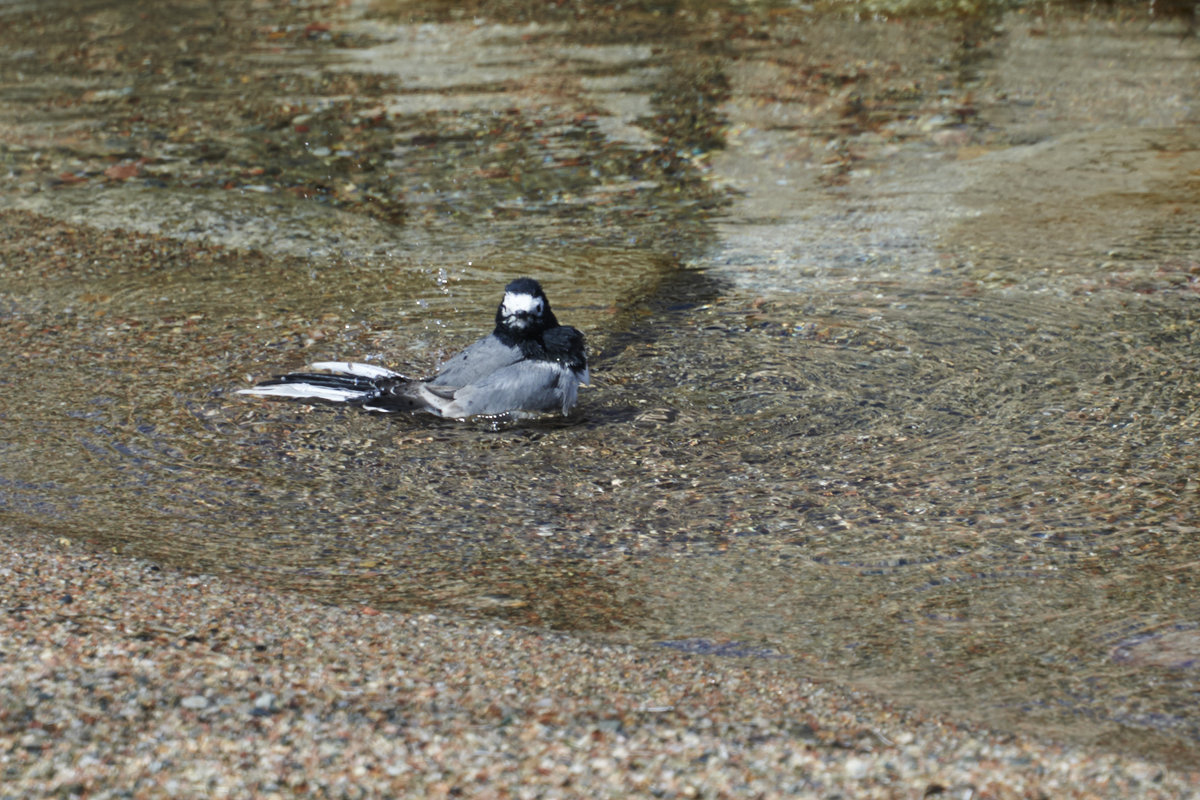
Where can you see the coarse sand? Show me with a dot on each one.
(122, 679)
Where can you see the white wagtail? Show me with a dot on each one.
(529, 364)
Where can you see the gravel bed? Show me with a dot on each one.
(121, 679)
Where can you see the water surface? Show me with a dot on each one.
(893, 323)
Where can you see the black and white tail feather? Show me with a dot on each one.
(529, 364)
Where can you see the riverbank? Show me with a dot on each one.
(121, 678)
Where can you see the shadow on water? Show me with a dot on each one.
(894, 335)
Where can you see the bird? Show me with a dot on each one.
(528, 365)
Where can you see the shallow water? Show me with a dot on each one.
(894, 328)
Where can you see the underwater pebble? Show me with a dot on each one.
(856, 768)
(265, 701)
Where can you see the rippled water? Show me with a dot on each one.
(894, 328)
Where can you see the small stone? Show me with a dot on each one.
(196, 702)
(856, 768)
(34, 739)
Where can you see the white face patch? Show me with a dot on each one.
(515, 304)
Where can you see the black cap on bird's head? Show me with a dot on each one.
(524, 312)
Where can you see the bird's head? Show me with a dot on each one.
(524, 311)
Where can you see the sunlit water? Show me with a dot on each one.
(894, 336)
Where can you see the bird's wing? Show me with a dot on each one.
(475, 363)
(525, 386)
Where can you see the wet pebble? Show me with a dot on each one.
(265, 702)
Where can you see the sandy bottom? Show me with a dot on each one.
(122, 679)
